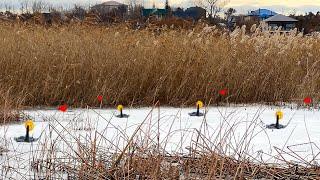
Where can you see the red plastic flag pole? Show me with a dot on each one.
(63, 108)
(100, 99)
(307, 100)
(222, 92)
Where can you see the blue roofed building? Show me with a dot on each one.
(262, 14)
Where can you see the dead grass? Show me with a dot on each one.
(74, 64)
(9, 108)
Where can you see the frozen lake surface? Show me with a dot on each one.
(233, 131)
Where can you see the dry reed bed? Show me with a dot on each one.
(74, 64)
(9, 108)
(147, 165)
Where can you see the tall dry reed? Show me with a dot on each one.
(74, 64)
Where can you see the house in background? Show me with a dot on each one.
(271, 18)
(110, 7)
(252, 17)
(158, 13)
(279, 20)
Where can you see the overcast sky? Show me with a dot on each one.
(242, 6)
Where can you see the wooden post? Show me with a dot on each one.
(219, 100)
(27, 139)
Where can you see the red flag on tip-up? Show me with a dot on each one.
(223, 92)
(307, 100)
(63, 108)
(100, 98)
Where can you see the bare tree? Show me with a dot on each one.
(79, 12)
(230, 20)
(38, 6)
(8, 7)
(134, 8)
(24, 6)
(229, 13)
(213, 7)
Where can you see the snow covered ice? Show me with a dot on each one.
(233, 131)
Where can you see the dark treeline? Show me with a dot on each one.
(41, 14)
(308, 23)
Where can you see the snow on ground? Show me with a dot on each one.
(226, 129)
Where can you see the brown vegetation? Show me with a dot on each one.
(9, 107)
(74, 64)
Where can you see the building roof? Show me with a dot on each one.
(262, 13)
(112, 3)
(280, 18)
(154, 11)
